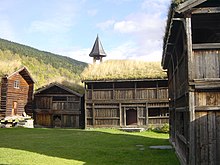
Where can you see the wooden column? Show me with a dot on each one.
(120, 113)
(191, 93)
(146, 114)
(92, 92)
(93, 114)
(113, 91)
(85, 108)
(192, 142)
(135, 90)
(189, 48)
(124, 116)
(138, 122)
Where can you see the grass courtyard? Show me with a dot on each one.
(20, 146)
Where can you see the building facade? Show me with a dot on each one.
(126, 103)
(16, 93)
(192, 57)
(58, 106)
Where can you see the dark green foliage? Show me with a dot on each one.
(54, 60)
(44, 67)
(162, 129)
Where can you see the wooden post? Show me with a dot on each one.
(92, 92)
(113, 91)
(93, 114)
(192, 129)
(189, 48)
(135, 90)
(146, 114)
(85, 108)
(124, 116)
(138, 122)
(191, 94)
(120, 113)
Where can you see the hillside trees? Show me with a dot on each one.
(42, 73)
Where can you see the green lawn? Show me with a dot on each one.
(20, 146)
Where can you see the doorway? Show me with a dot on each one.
(57, 121)
(131, 117)
(14, 108)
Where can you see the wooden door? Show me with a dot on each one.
(14, 108)
(43, 120)
(131, 117)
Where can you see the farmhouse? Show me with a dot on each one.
(57, 106)
(16, 93)
(191, 54)
(123, 93)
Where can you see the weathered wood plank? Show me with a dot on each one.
(203, 137)
(212, 138)
(206, 46)
(191, 127)
(217, 138)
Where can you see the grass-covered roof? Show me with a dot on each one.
(123, 70)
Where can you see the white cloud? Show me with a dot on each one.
(123, 51)
(145, 28)
(155, 6)
(105, 25)
(92, 12)
(130, 50)
(59, 19)
(126, 26)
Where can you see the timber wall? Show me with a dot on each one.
(58, 109)
(111, 106)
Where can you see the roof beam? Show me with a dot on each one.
(188, 5)
(206, 10)
(206, 46)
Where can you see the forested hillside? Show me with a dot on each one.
(44, 67)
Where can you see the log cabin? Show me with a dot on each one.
(16, 93)
(124, 93)
(58, 106)
(126, 103)
(191, 55)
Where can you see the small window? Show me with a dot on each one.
(16, 84)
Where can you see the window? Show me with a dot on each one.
(16, 84)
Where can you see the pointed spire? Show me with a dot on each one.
(97, 51)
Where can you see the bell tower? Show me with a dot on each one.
(97, 51)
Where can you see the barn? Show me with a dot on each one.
(191, 55)
(56, 105)
(16, 93)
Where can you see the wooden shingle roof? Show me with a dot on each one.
(97, 50)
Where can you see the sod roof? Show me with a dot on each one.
(123, 70)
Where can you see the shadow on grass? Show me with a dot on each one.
(87, 146)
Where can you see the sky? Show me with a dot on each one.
(128, 29)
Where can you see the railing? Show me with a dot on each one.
(121, 94)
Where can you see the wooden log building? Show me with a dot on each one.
(126, 103)
(16, 93)
(114, 97)
(191, 55)
(58, 106)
